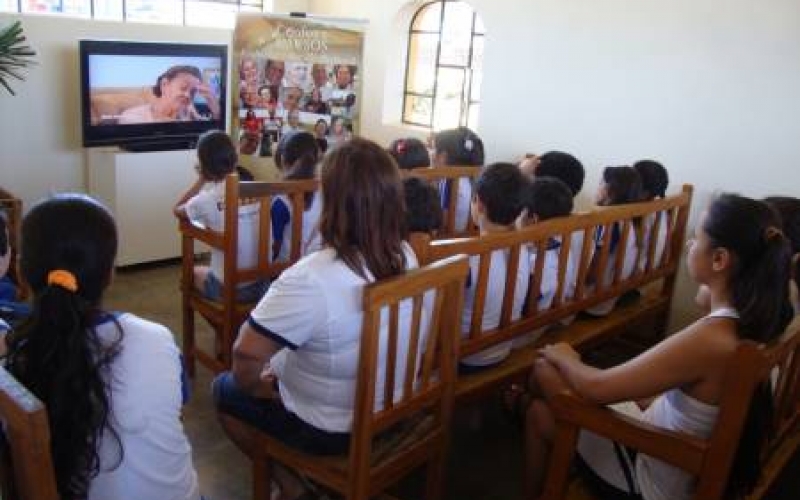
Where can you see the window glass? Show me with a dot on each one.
(108, 10)
(80, 8)
(214, 14)
(444, 66)
(154, 11)
(428, 18)
(8, 5)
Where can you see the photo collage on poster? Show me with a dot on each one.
(278, 96)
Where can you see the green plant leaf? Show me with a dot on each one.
(14, 54)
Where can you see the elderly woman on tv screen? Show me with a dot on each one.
(175, 92)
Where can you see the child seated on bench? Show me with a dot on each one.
(618, 186)
(110, 381)
(542, 199)
(655, 180)
(204, 204)
(789, 210)
(742, 258)
(11, 309)
(495, 206)
(296, 157)
(458, 147)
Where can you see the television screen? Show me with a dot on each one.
(151, 95)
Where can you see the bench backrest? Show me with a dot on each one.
(426, 301)
(537, 238)
(28, 472)
(447, 180)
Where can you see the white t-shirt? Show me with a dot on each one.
(207, 208)
(493, 304)
(463, 199)
(661, 238)
(146, 404)
(315, 309)
(631, 251)
(281, 214)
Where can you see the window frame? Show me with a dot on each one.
(124, 11)
(466, 100)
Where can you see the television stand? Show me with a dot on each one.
(159, 145)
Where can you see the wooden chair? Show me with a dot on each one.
(450, 177)
(12, 206)
(227, 314)
(27, 466)
(709, 459)
(377, 458)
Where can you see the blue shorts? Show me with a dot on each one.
(270, 416)
(251, 292)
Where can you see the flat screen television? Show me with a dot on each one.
(145, 96)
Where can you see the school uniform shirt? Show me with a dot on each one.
(208, 208)
(463, 199)
(146, 400)
(281, 215)
(631, 252)
(661, 238)
(314, 310)
(493, 304)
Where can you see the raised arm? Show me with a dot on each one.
(180, 206)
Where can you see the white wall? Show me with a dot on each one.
(711, 88)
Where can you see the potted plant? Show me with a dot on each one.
(15, 55)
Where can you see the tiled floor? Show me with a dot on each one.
(484, 464)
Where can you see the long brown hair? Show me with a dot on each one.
(363, 209)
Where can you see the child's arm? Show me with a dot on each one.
(682, 359)
(180, 206)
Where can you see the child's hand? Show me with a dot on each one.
(559, 353)
(267, 386)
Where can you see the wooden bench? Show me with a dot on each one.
(227, 314)
(657, 279)
(26, 466)
(447, 179)
(777, 365)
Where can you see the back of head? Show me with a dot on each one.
(562, 166)
(655, 178)
(299, 155)
(623, 184)
(410, 153)
(759, 277)
(546, 198)
(461, 146)
(363, 211)
(70, 243)
(499, 189)
(4, 245)
(423, 206)
(789, 210)
(216, 154)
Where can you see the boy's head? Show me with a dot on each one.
(497, 194)
(562, 166)
(545, 198)
(654, 178)
(423, 206)
(216, 154)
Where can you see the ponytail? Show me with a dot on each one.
(70, 243)
(461, 145)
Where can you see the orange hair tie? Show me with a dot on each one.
(64, 279)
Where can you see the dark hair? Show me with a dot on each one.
(423, 206)
(789, 210)
(352, 68)
(499, 188)
(410, 153)
(244, 174)
(216, 154)
(172, 73)
(461, 145)
(546, 197)
(655, 178)
(624, 185)
(562, 166)
(363, 210)
(57, 353)
(759, 278)
(4, 246)
(299, 156)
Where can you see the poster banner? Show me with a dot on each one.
(293, 74)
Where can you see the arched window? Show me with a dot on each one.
(443, 69)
